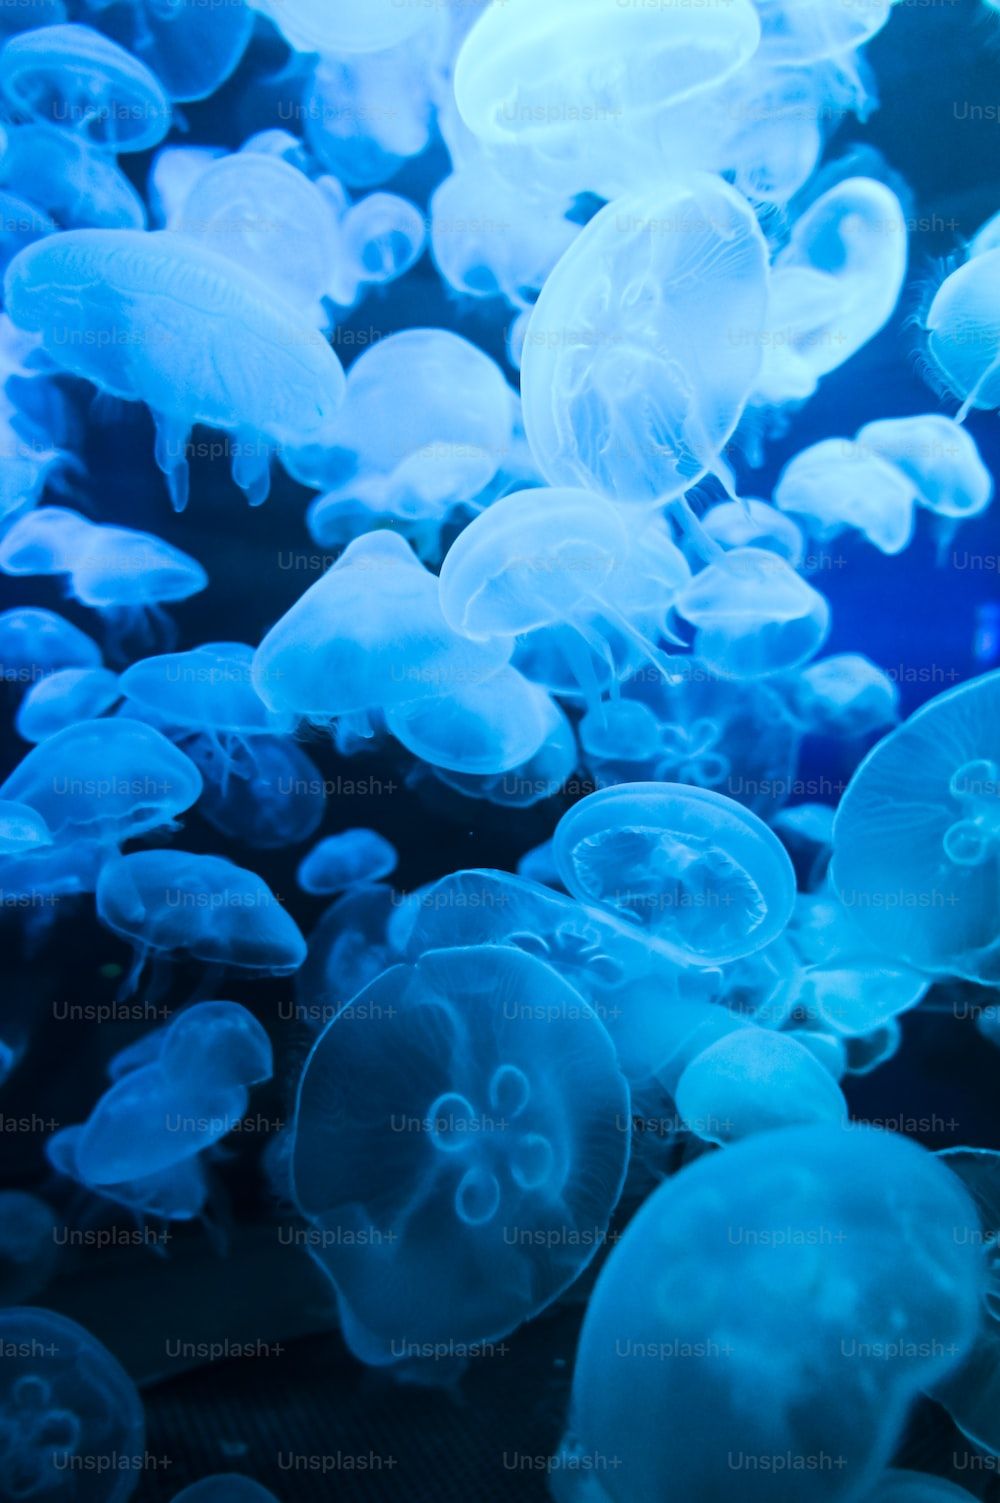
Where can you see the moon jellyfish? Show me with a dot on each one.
(753, 615)
(44, 541)
(129, 576)
(346, 26)
(173, 903)
(61, 699)
(207, 699)
(806, 832)
(225, 1487)
(73, 77)
(382, 236)
(696, 873)
(755, 1080)
(962, 328)
(267, 793)
(755, 524)
(342, 861)
(348, 948)
(79, 185)
(35, 642)
(461, 1150)
(186, 331)
(28, 1248)
(541, 777)
(20, 224)
(939, 457)
(845, 696)
(178, 1193)
(916, 1487)
(192, 48)
(22, 829)
(827, 1256)
(917, 837)
(482, 728)
(839, 484)
(794, 32)
(643, 346)
(367, 636)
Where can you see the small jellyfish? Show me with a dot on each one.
(129, 576)
(846, 696)
(347, 26)
(753, 615)
(962, 329)
(695, 873)
(643, 347)
(178, 1193)
(840, 484)
(540, 777)
(34, 643)
(22, 829)
(105, 781)
(73, 77)
(348, 948)
(61, 699)
(172, 177)
(71, 1417)
(344, 860)
(479, 729)
(28, 1247)
(483, 1095)
(788, 1298)
(44, 541)
(192, 48)
(806, 832)
(752, 1081)
(77, 184)
(225, 1487)
(917, 837)
(939, 457)
(755, 524)
(267, 793)
(174, 903)
(382, 237)
(186, 331)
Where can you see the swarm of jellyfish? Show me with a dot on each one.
(500, 794)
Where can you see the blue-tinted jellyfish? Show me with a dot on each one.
(369, 635)
(970, 1392)
(82, 82)
(22, 829)
(962, 335)
(174, 173)
(840, 484)
(381, 236)
(28, 1247)
(226, 1487)
(158, 319)
(20, 224)
(846, 696)
(71, 1417)
(77, 184)
(348, 26)
(105, 781)
(788, 1261)
(917, 837)
(30, 457)
(207, 698)
(44, 541)
(753, 615)
(696, 873)
(540, 777)
(261, 212)
(755, 524)
(463, 1156)
(754, 1080)
(267, 793)
(192, 48)
(344, 860)
(168, 903)
(36, 642)
(129, 577)
(644, 344)
(833, 287)
(481, 729)
(939, 457)
(806, 832)
(538, 865)
(896, 1486)
(794, 32)
(61, 699)
(178, 1193)
(348, 948)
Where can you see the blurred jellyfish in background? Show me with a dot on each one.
(28, 1247)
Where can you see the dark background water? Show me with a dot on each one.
(932, 623)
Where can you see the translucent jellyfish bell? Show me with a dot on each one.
(74, 77)
(44, 541)
(76, 183)
(480, 729)
(461, 1135)
(206, 694)
(845, 695)
(192, 48)
(344, 25)
(28, 1247)
(382, 236)
(341, 861)
(643, 346)
(755, 1080)
(917, 837)
(61, 699)
(210, 343)
(22, 829)
(837, 484)
(105, 781)
(793, 1255)
(700, 876)
(755, 524)
(36, 642)
(794, 32)
(72, 1419)
(129, 576)
(962, 328)
(754, 616)
(939, 457)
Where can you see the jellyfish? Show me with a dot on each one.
(20, 224)
(794, 32)
(847, 696)
(22, 829)
(225, 1487)
(44, 541)
(34, 643)
(917, 837)
(382, 237)
(367, 636)
(962, 335)
(480, 729)
(753, 615)
(348, 948)
(105, 781)
(806, 832)
(539, 866)
(342, 861)
(793, 1255)
(264, 214)
(59, 700)
(840, 484)
(186, 331)
(168, 902)
(695, 873)
(172, 177)
(939, 457)
(192, 48)
(28, 1247)
(129, 576)
(490, 1108)
(755, 1080)
(178, 1193)
(644, 344)
(72, 1418)
(895, 1486)
(75, 184)
(268, 794)
(833, 287)
(74, 78)
(755, 524)
(349, 26)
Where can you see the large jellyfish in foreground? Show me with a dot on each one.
(697, 873)
(917, 837)
(71, 1420)
(461, 1137)
(767, 1319)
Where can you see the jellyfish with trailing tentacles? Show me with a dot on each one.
(917, 837)
(788, 1260)
(71, 1417)
(473, 1139)
(207, 342)
(695, 873)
